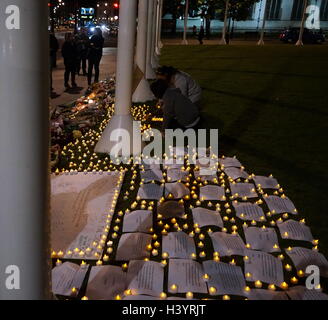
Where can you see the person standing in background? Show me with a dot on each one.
(95, 54)
(201, 35)
(69, 54)
(82, 43)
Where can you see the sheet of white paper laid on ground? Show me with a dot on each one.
(206, 166)
(133, 246)
(177, 189)
(177, 175)
(264, 267)
(153, 166)
(187, 275)
(80, 205)
(295, 230)
(214, 193)
(280, 205)
(302, 293)
(249, 211)
(66, 277)
(243, 190)
(178, 245)
(178, 152)
(262, 294)
(230, 162)
(145, 277)
(205, 217)
(140, 297)
(262, 239)
(138, 221)
(206, 175)
(236, 173)
(266, 182)
(228, 244)
(171, 163)
(106, 282)
(171, 209)
(151, 191)
(226, 278)
(303, 257)
(150, 175)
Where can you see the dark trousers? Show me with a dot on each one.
(70, 70)
(94, 62)
(82, 63)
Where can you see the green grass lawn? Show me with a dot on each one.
(270, 105)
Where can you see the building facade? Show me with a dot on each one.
(280, 14)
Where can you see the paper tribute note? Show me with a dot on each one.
(177, 189)
(266, 182)
(226, 278)
(230, 162)
(206, 175)
(214, 193)
(133, 246)
(177, 175)
(106, 282)
(138, 221)
(186, 276)
(236, 173)
(145, 278)
(249, 211)
(280, 205)
(302, 293)
(150, 192)
(178, 245)
(154, 166)
(262, 294)
(295, 230)
(264, 267)
(243, 190)
(171, 209)
(302, 258)
(151, 175)
(66, 277)
(79, 210)
(228, 244)
(262, 239)
(204, 217)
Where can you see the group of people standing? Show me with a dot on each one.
(77, 50)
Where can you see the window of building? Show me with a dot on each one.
(297, 11)
(324, 10)
(273, 10)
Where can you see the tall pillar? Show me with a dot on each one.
(224, 30)
(122, 121)
(158, 27)
(160, 43)
(24, 156)
(150, 73)
(185, 41)
(143, 92)
(300, 38)
(154, 56)
(264, 17)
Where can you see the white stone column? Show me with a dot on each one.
(300, 38)
(122, 121)
(185, 41)
(24, 150)
(143, 92)
(150, 73)
(264, 16)
(224, 30)
(154, 56)
(160, 43)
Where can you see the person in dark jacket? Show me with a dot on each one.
(82, 43)
(69, 54)
(201, 35)
(179, 112)
(95, 54)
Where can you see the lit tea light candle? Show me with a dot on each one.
(212, 291)
(189, 295)
(258, 284)
(174, 288)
